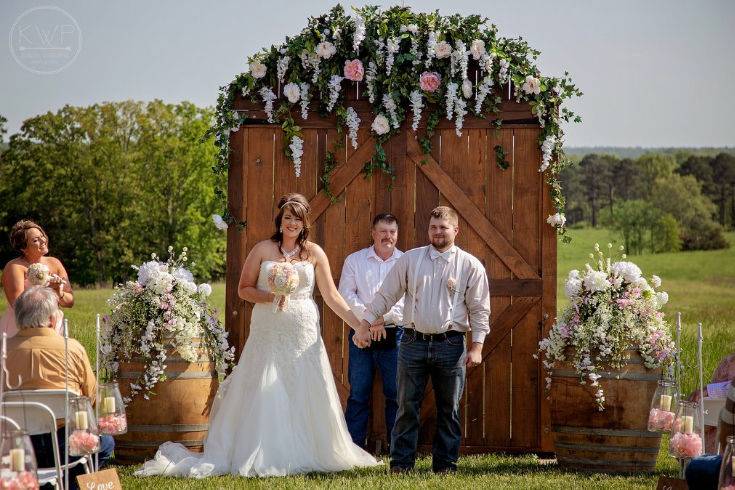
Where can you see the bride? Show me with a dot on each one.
(278, 412)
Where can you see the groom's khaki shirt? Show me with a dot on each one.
(444, 291)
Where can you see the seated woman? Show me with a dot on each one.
(725, 372)
(31, 242)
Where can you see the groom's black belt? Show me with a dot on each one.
(437, 337)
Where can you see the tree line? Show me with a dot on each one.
(657, 202)
(112, 183)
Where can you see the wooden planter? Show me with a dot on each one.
(179, 411)
(614, 440)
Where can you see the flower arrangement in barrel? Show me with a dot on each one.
(162, 310)
(612, 309)
(409, 65)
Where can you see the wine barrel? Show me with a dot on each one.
(178, 412)
(614, 440)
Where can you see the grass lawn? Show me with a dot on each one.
(701, 285)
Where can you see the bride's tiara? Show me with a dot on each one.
(297, 203)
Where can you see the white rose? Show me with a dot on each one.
(662, 298)
(443, 49)
(380, 125)
(467, 88)
(219, 223)
(325, 50)
(257, 70)
(596, 281)
(182, 274)
(627, 270)
(532, 85)
(205, 289)
(292, 92)
(477, 48)
(189, 286)
(573, 287)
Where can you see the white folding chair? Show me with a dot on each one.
(47, 406)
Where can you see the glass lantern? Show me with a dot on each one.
(661, 416)
(727, 468)
(111, 409)
(83, 434)
(18, 463)
(686, 437)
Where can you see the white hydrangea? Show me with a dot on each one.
(662, 298)
(182, 274)
(627, 270)
(573, 287)
(656, 281)
(205, 289)
(148, 269)
(160, 282)
(219, 223)
(596, 281)
(189, 286)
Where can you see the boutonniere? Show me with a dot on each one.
(452, 284)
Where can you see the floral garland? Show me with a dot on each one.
(405, 59)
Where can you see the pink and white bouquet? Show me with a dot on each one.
(612, 308)
(39, 274)
(83, 442)
(283, 279)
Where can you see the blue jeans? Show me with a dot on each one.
(444, 363)
(45, 455)
(362, 364)
(703, 472)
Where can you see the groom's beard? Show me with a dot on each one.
(440, 242)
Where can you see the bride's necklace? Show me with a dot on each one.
(289, 255)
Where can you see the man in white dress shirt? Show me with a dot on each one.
(446, 295)
(362, 274)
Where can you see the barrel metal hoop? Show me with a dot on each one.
(568, 373)
(636, 463)
(168, 428)
(607, 449)
(605, 432)
(172, 375)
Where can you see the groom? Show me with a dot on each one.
(446, 294)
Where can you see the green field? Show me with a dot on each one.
(701, 285)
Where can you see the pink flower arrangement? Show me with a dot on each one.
(354, 70)
(661, 420)
(19, 481)
(113, 424)
(429, 81)
(283, 280)
(683, 445)
(82, 442)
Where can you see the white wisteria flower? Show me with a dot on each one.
(390, 106)
(292, 92)
(416, 106)
(596, 281)
(557, 220)
(219, 223)
(257, 69)
(335, 84)
(311, 61)
(547, 151)
(353, 124)
(359, 35)
(325, 50)
(392, 47)
(532, 85)
(268, 96)
(486, 64)
(503, 73)
(305, 99)
(477, 48)
(460, 110)
(430, 48)
(443, 50)
(282, 67)
(297, 150)
(380, 125)
(451, 97)
(370, 75)
(412, 28)
(485, 86)
(467, 88)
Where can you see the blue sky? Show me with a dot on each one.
(654, 73)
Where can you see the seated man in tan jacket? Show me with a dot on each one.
(36, 354)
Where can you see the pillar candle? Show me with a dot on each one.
(108, 404)
(665, 403)
(81, 420)
(688, 423)
(17, 459)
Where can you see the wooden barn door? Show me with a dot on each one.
(502, 222)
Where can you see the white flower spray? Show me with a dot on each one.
(334, 88)
(416, 105)
(281, 67)
(268, 96)
(353, 124)
(503, 72)
(485, 87)
(430, 49)
(393, 47)
(305, 99)
(547, 150)
(451, 98)
(297, 150)
(460, 110)
(390, 106)
(359, 35)
(370, 75)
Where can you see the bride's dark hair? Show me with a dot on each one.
(298, 206)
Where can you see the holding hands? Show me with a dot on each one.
(366, 333)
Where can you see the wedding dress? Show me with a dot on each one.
(278, 412)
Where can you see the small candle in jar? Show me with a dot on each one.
(17, 459)
(108, 404)
(688, 423)
(81, 420)
(665, 403)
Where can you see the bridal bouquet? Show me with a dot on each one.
(283, 280)
(612, 308)
(162, 310)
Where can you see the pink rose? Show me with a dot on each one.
(429, 81)
(354, 70)
(685, 445)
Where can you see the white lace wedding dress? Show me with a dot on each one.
(278, 413)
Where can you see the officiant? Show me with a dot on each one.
(362, 275)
